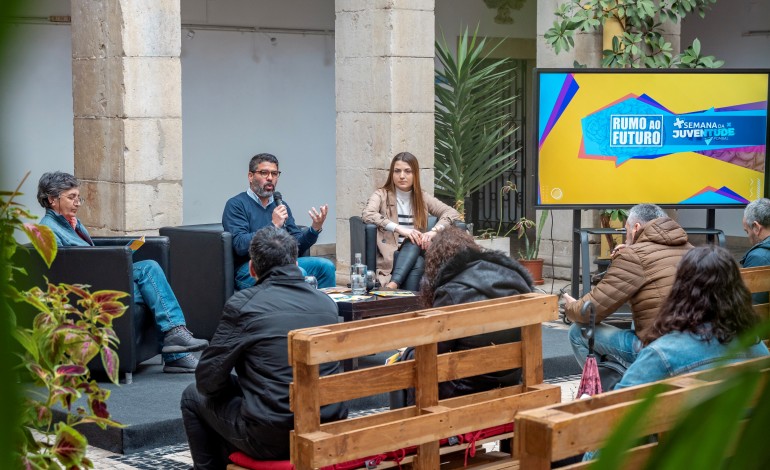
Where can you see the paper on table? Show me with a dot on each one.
(136, 244)
(348, 297)
(392, 293)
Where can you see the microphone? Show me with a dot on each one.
(278, 199)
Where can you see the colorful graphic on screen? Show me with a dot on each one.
(669, 138)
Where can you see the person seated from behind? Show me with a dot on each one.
(59, 194)
(250, 412)
(457, 271)
(641, 273)
(756, 224)
(258, 207)
(400, 209)
(708, 308)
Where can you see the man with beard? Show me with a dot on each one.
(257, 207)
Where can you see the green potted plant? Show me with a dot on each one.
(528, 257)
(472, 124)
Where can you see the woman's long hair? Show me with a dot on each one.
(419, 211)
(447, 244)
(708, 289)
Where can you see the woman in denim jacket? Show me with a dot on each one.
(708, 308)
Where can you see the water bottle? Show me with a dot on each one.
(358, 276)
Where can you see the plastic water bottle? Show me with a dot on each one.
(358, 276)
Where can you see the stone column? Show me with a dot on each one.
(384, 88)
(127, 100)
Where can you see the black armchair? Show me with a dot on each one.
(108, 265)
(203, 268)
(202, 273)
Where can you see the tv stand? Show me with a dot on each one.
(581, 256)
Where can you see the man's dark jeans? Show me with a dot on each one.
(215, 428)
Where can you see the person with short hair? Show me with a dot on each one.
(756, 224)
(250, 412)
(59, 194)
(641, 273)
(708, 308)
(257, 207)
(400, 210)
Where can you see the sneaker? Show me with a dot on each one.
(179, 340)
(183, 365)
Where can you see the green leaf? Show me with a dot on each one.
(26, 340)
(43, 240)
(70, 446)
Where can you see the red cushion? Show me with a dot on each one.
(239, 458)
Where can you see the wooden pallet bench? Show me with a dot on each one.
(553, 433)
(758, 280)
(420, 427)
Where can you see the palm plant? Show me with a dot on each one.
(472, 122)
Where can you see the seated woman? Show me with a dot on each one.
(59, 194)
(400, 209)
(708, 308)
(457, 271)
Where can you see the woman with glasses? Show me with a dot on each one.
(59, 194)
(400, 209)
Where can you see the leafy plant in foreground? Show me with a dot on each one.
(70, 328)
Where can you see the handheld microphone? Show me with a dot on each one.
(278, 199)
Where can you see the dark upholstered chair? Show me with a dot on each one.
(108, 265)
(202, 273)
(363, 239)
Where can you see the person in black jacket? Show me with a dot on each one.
(223, 413)
(458, 271)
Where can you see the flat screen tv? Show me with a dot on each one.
(673, 137)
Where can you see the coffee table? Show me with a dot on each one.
(375, 306)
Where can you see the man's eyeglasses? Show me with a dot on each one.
(74, 199)
(266, 173)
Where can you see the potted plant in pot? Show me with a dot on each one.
(529, 256)
(473, 125)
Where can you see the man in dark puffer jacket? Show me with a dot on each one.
(250, 412)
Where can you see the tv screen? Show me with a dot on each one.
(673, 137)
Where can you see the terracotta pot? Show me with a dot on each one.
(535, 268)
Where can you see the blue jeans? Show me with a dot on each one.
(321, 268)
(151, 288)
(621, 345)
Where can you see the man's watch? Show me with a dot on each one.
(316, 232)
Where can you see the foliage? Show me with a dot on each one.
(472, 125)
(640, 41)
(531, 250)
(71, 327)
